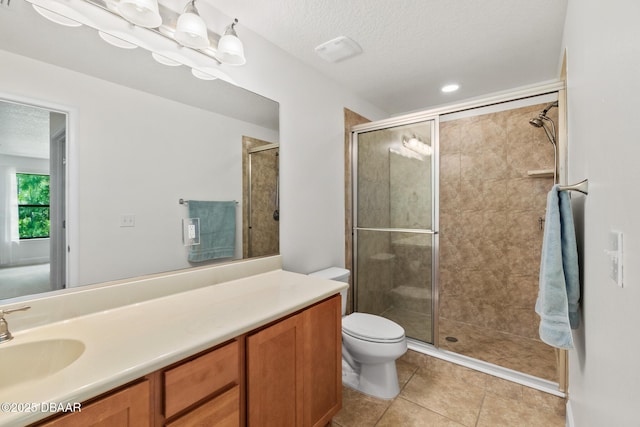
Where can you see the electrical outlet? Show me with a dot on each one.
(127, 220)
(191, 231)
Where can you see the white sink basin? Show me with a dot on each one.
(36, 360)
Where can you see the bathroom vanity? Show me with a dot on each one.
(258, 350)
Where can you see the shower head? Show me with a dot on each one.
(542, 118)
(549, 107)
(537, 122)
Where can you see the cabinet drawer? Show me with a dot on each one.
(127, 407)
(223, 411)
(201, 377)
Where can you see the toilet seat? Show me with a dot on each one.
(369, 327)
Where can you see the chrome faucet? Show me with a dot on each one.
(5, 335)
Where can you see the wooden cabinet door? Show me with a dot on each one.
(129, 407)
(322, 362)
(275, 375)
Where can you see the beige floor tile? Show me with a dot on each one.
(407, 414)
(448, 370)
(451, 397)
(500, 412)
(526, 355)
(405, 372)
(545, 401)
(359, 410)
(504, 388)
(415, 358)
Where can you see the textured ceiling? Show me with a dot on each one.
(413, 47)
(24, 130)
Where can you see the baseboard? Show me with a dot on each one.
(569, 422)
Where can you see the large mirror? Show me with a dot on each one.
(114, 140)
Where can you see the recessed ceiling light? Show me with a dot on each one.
(450, 88)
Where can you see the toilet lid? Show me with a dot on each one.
(372, 328)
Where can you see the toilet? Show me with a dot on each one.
(370, 346)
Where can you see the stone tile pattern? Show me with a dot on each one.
(490, 237)
(436, 393)
(265, 231)
(350, 119)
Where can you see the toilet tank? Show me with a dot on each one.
(339, 275)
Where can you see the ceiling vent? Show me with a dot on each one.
(338, 49)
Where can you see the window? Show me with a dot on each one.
(33, 206)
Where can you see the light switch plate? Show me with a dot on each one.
(615, 257)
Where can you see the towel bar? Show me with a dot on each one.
(582, 187)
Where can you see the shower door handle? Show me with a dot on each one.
(397, 230)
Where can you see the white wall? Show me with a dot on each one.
(603, 52)
(311, 154)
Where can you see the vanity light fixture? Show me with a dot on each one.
(191, 30)
(164, 60)
(450, 88)
(116, 41)
(202, 75)
(230, 49)
(173, 38)
(211, 73)
(56, 17)
(144, 13)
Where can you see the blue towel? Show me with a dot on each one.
(559, 291)
(217, 230)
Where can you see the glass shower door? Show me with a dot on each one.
(395, 223)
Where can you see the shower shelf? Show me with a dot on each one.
(541, 173)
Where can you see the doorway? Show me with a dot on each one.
(261, 198)
(32, 199)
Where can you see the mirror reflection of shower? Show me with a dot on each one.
(276, 211)
(546, 123)
(261, 212)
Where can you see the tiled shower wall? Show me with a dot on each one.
(265, 229)
(490, 210)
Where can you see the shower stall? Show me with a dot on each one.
(261, 214)
(448, 219)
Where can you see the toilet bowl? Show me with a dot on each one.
(370, 346)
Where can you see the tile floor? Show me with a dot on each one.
(530, 356)
(437, 393)
(526, 355)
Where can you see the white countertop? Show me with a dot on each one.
(128, 342)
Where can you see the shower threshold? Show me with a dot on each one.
(487, 368)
